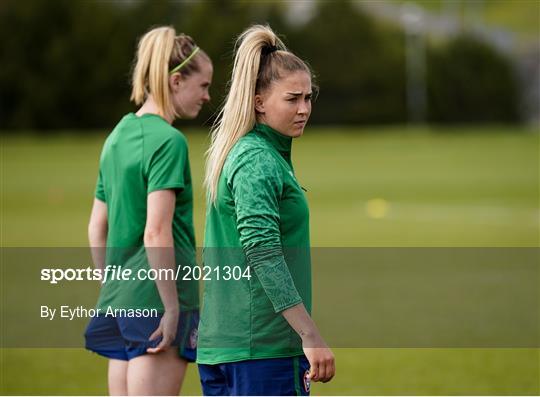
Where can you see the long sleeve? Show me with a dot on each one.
(256, 184)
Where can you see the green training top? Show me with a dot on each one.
(260, 222)
(141, 155)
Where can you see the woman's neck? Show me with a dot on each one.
(150, 106)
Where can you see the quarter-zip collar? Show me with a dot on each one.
(279, 141)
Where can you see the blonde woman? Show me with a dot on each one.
(256, 336)
(142, 214)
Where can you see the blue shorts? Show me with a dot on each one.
(262, 377)
(124, 338)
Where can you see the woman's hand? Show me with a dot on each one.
(320, 357)
(167, 330)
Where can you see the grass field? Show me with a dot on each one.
(391, 187)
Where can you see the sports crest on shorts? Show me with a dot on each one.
(307, 382)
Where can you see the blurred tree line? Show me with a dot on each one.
(67, 64)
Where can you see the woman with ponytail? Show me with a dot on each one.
(141, 223)
(256, 336)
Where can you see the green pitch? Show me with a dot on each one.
(381, 187)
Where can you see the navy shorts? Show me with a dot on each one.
(262, 377)
(124, 338)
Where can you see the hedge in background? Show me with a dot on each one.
(67, 64)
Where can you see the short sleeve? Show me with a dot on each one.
(256, 184)
(100, 190)
(167, 165)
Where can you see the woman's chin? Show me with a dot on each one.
(297, 132)
(189, 116)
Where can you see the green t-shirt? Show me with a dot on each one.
(260, 221)
(142, 155)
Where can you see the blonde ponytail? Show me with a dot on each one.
(237, 115)
(151, 73)
(160, 50)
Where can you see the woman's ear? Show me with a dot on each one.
(259, 104)
(175, 80)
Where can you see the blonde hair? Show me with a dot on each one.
(159, 51)
(260, 57)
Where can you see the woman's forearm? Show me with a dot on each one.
(98, 242)
(160, 252)
(97, 239)
(98, 228)
(300, 320)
